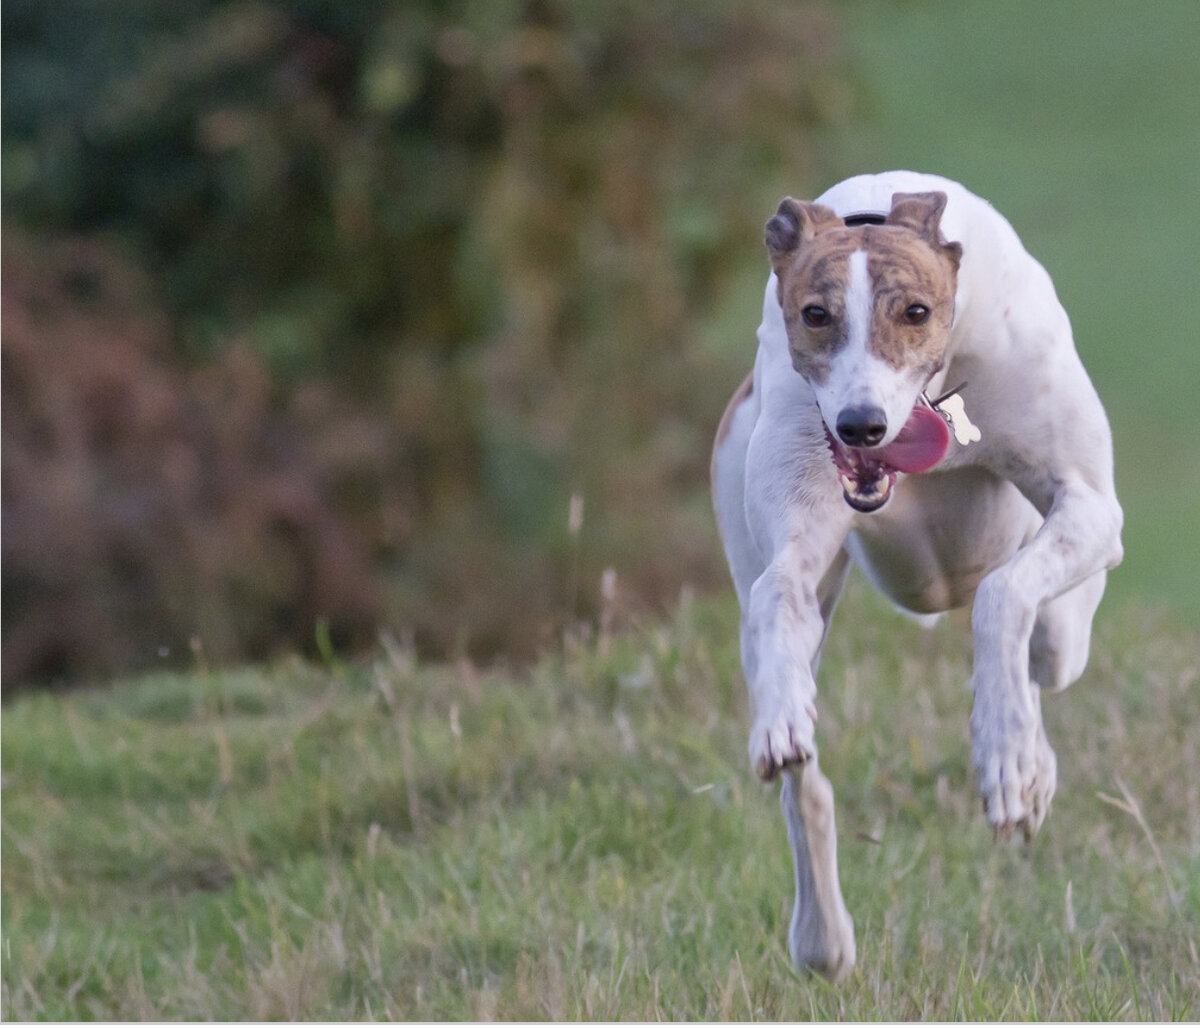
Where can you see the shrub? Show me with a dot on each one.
(150, 510)
(422, 272)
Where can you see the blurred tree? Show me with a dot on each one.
(467, 248)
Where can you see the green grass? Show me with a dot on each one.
(586, 840)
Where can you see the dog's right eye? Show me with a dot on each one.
(814, 316)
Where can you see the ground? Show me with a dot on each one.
(584, 839)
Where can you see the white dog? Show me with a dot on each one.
(886, 291)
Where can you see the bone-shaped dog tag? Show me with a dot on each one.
(965, 431)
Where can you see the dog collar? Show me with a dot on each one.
(864, 218)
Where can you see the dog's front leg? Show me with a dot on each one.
(821, 935)
(782, 634)
(787, 616)
(1016, 766)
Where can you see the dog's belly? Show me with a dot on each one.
(940, 535)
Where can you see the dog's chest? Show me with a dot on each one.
(928, 549)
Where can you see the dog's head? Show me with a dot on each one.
(868, 312)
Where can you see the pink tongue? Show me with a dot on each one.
(922, 442)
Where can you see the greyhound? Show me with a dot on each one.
(917, 408)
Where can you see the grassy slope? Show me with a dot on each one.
(587, 841)
(1077, 119)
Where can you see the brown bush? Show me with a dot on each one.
(147, 510)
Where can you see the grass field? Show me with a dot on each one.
(587, 841)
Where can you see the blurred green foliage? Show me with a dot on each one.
(419, 272)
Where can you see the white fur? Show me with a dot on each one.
(1023, 523)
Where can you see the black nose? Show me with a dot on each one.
(862, 426)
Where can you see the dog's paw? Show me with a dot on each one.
(782, 737)
(1018, 774)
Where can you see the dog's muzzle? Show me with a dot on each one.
(867, 473)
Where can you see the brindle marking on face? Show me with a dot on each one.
(908, 264)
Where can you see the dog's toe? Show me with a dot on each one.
(1017, 769)
(1018, 786)
(782, 740)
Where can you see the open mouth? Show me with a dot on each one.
(867, 474)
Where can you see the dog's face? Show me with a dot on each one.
(867, 309)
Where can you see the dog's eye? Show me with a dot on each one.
(814, 316)
(917, 314)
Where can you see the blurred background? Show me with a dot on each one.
(322, 320)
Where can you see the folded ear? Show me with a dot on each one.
(922, 213)
(794, 224)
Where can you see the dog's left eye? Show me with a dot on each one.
(815, 317)
(917, 314)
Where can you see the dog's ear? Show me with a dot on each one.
(922, 213)
(793, 224)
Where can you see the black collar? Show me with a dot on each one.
(864, 218)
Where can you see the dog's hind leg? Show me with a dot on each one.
(1062, 634)
(821, 935)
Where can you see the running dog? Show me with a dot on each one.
(917, 408)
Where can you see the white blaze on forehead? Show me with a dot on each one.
(860, 300)
(848, 382)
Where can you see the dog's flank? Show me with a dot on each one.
(831, 454)
(742, 393)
